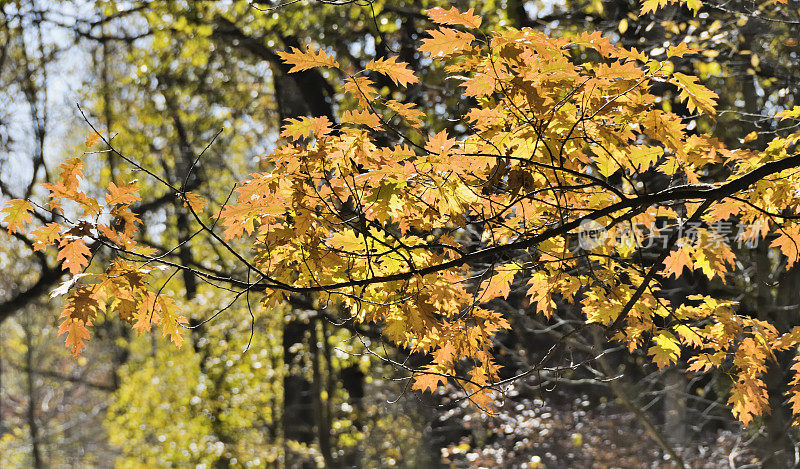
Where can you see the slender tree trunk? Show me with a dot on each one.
(33, 426)
(322, 424)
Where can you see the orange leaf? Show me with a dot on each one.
(788, 241)
(427, 382)
(446, 41)
(439, 143)
(124, 194)
(398, 72)
(17, 214)
(74, 253)
(361, 117)
(195, 202)
(296, 129)
(300, 60)
(93, 138)
(76, 334)
(362, 88)
(455, 17)
(498, 285)
(676, 261)
(46, 235)
(406, 111)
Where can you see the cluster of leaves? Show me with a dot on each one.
(122, 289)
(380, 218)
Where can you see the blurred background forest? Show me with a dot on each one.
(163, 77)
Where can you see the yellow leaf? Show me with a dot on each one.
(677, 260)
(406, 111)
(195, 202)
(696, 95)
(365, 117)
(46, 235)
(296, 129)
(17, 214)
(93, 138)
(455, 17)
(787, 241)
(362, 89)
(750, 137)
(499, 284)
(446, 41)
(309, 59)
(398, 72)
(665, 349)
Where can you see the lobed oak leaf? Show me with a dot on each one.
(171, 320)
(194, 201)
(427, 381)
(398, 72)
(653, 5)
(439, 143)
(18, 212)
(445, 41)
(46, 235)
(296, 129)
(124, 194)
(74, 254)
(498, 285)
(365, 117)
(300, 60)
(362, 88)
(455, 17)
(406, 111)
(539, 293)
(696, 95)
(787, 241)
(93, 138)
(76, 333)
(676, 261)
(445, 354)
(665, 349)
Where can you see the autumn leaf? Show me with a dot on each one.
(439, 143)
(74, 254)
(406, 111)
(296, 129)
(194, 201)
(653, 5)
(677, 260)
(665, 349)
(696, 95)
(124, 194)
(309, 59)
(398, 72)
(76, 333)
(362, 88)
(46, 235)
(455, 17)
(787, 241)
(499, 284)
(17, 214)
(93, 138)
(427, 381)
(365, 118)
(445, 41)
